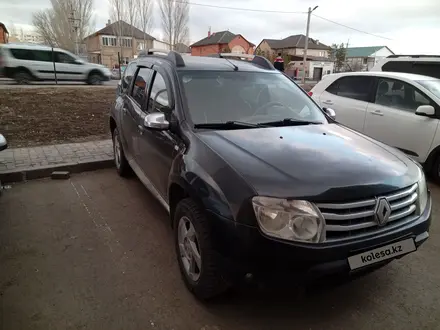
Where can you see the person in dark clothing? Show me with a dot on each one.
(279, 63)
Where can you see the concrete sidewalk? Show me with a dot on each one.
(30, 163)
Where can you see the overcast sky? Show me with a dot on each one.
(412, 25)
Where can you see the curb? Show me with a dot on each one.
(46, 171)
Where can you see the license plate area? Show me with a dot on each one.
(382, 253)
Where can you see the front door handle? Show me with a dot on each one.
(377, 113)
(141, 129)
(328, 102)
(124, 110)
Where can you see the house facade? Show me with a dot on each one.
(4, 34)
(292, 48)
(120, 37)
(223, 41)
(364, 58)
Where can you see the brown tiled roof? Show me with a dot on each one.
(222, 37)
(112, 30)
(296, 41)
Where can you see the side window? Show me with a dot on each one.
(128, 75)
(159, 100)
(140, 87)
(398, 66)
(43, 56)
(352, 87)
(399, 95)
(63, 58)
(22, 54)
(431, 69)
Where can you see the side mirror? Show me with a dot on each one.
(330, 112)
(156, 121)
(3, 143)
(425, 110)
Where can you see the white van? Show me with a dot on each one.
(425, 65)
(25, 63)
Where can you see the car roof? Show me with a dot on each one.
(206, 63)
(30, 47)
(388, 74)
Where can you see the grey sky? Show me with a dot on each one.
(412, 25)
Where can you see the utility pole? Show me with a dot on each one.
(306, 45)
(74, 25)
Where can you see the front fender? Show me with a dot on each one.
(201, 187)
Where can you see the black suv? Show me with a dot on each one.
(257, 178)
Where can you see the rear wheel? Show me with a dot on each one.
(199, 263)
(22, 77)
(121, 162)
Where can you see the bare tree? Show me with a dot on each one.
(145, 18)
(55, 28)
(175, 17)
(118, 14)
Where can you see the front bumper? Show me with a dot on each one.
(246, 250)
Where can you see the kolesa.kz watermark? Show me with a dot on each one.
(381, 254)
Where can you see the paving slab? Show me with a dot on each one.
(21, 164)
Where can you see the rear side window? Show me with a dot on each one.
(42, 56)
(431, 69)
(22, 54)
(398, 66)
(140, 86)
(358, 88)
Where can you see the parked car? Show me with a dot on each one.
(427, 65)
(399, 109)
(3, 146)
(257, 178)
(26, 63)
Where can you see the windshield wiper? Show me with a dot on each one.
(227, 125)
(290, 122)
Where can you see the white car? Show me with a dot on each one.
(25, 63)
(427, 65)
(398, 109)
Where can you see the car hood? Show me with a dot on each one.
(321, 162)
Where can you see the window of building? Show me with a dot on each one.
(353, 87)
(159, 100)
(109, 41)
(140, 87)
(126, 42)
(399, 95)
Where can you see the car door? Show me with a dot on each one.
(391, 118)
(157, 149)
(349, 97)
(134, 102)
(67, 68)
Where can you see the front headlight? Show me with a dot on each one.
(423, 192)
(293, 220)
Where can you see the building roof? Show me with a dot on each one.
(112, 30)
(182, 48)
(4, 27)
(295, 41)
(222, 37)
(364, 51)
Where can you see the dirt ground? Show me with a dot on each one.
(96, 252)
(41, 116)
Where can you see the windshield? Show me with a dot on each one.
(250, 97)
(432, 85)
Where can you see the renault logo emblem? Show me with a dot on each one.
(382, 212)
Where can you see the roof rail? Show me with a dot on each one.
(255, 59)
(413, 56)
(173, 56)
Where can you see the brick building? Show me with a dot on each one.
(223, 41)
(4, 34)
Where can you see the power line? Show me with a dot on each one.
(351, 28)
(243, 9)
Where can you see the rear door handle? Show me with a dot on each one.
(328, 102)
(377, 113)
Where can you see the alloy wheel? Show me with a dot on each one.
(189, 248)
(117, 150)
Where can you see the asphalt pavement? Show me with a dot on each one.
(96, 252)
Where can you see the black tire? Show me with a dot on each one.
(95, 78)
(435, 170)
(121, 163)
(22, 77)
(212, 280)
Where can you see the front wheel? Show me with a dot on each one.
(95, 79)
(199, 263)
